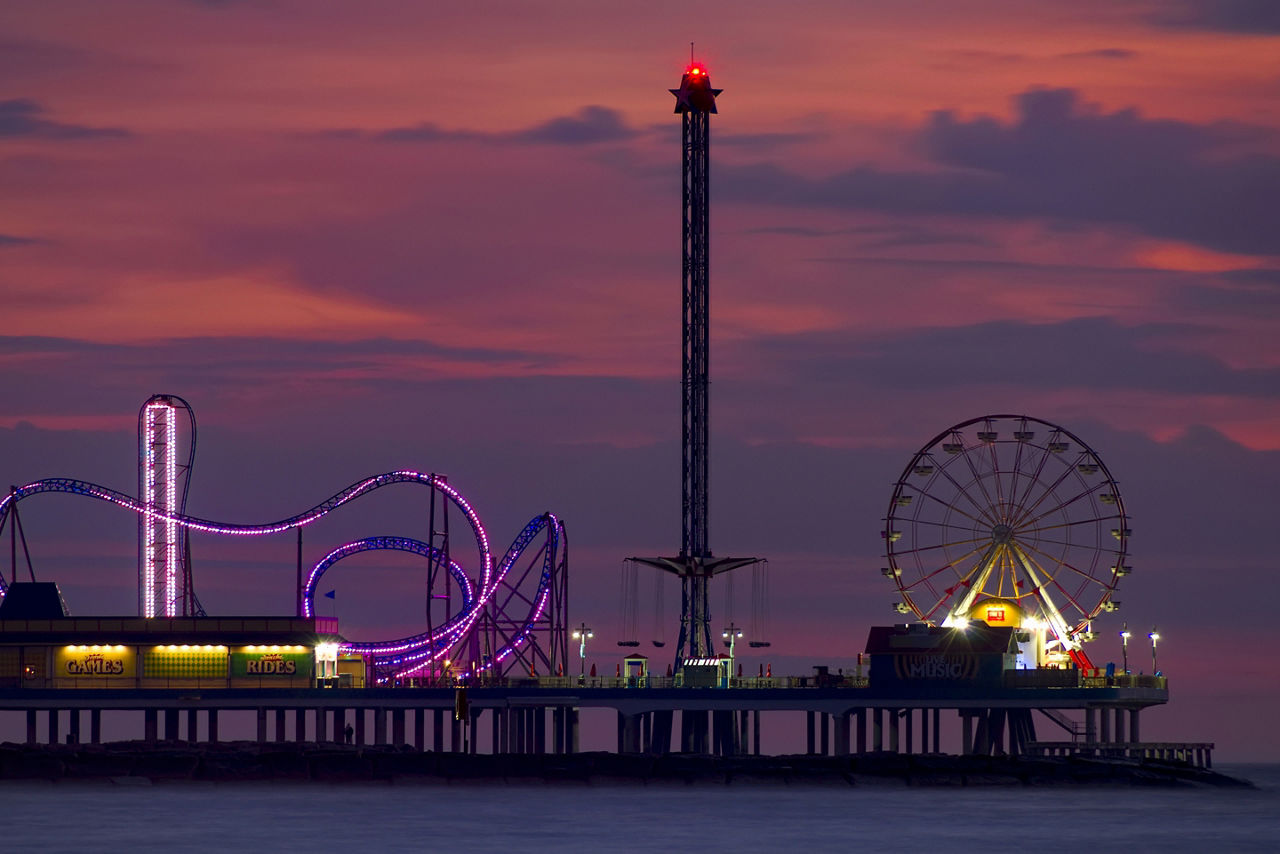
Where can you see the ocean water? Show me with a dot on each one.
(368, 818)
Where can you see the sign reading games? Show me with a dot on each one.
(94, 662)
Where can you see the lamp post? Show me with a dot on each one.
(580, 634)
(731, 634)
(1155, 638)
(1125, 634)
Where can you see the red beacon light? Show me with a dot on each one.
(695, 92)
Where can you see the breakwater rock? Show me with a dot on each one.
(139, 762)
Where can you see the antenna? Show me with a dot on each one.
(691, 53)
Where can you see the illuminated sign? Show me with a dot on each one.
(94, 661)
(922, 666)
(272, 661)
(995, 615)
(271, 664)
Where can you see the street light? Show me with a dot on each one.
(1155, 638)
(731, 634)
(580, 634)
(1125, 634)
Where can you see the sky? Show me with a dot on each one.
(385, 235)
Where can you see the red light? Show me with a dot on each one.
(696, 71)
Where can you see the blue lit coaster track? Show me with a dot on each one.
(489, 631)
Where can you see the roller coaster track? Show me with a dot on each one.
(484, 602)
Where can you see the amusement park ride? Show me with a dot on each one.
(1010, 521)
(510, 614)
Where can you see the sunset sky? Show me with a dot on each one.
(445, 236)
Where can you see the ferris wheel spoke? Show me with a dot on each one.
(982, 511)
(931, 523)
(929, 615)
(973, 470)
(1063, 563)
(995, 475)
(951, 566)
(1032, 478)
(1052, 489)
(950, 507)
(1062, 505)
(938, 546)
(1061, 525)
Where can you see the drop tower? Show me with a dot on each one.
(695, 565)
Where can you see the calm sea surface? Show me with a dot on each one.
(369, 818)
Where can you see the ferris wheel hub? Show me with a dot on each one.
(1002, 534)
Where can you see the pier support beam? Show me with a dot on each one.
(877, 730)
(420, 729)
(95, 726)
(262, 725)
(893, 730)
(966, 732)
(280, 719)
(937, 730)
(322, 729)
(299, 724)
(1133, 725)
(150, 725)
(397, 727)
(380, 725)
(841, 722)
(861, 745)
(32, 719)
(193, 725)
(73, 726)
(437, 730)
(211, 721)
(809, 746)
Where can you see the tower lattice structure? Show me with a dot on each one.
(695, 565)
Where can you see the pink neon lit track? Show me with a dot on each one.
(411, 653)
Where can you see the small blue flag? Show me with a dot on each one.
(332, 594)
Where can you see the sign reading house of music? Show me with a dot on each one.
(917, 653)
(271, 662)
(935, 666)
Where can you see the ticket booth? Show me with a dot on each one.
(635, 668)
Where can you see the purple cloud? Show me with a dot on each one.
(23, 117)
(1064, 161)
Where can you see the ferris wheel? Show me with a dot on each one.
(1012, 511)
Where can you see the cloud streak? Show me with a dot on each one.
(24, 117)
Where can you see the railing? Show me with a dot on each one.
(1198, 753)
(1126, 680)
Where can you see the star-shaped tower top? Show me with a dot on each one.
(695, 93)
